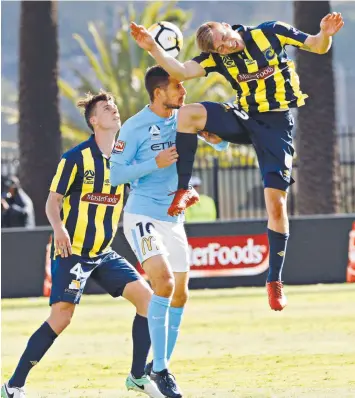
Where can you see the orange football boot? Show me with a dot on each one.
(277, 298)
(183, 199)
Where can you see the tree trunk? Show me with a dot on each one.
(317, 145)
(39, 125)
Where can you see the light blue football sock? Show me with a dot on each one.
(158, 320)
(175, 317)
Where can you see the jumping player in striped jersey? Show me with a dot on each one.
(83, 209)
(255, 62)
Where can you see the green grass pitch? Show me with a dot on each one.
(231, 345)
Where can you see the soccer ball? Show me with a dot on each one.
(168, 36)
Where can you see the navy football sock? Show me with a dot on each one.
(278, 244)
(37, 346)
(186, 147)
(141, 345)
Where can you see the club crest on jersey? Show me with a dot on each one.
(119, 146)
(154, 132)
(89, 177)
(269, 53)
(227, 61)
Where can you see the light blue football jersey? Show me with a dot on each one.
(140, 140)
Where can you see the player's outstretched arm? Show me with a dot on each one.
(180, 71)
(321, 43)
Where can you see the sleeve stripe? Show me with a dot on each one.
(260, 39)
(56, 179)
(62, 180)
(72, 176)
(288, 40)
(282, 39)
(208, 63)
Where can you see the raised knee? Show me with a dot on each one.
(192, 116)
(190, 111)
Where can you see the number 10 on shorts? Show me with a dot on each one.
(148, 241)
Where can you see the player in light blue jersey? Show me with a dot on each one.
(145, 155)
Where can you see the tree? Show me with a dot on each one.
(39, 123)
(118, 65)
(317, 146)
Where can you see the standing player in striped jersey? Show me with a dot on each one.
(83, 209)
(255, 62)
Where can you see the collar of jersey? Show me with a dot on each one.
(168, 120)
(245, 30)
(95, 149)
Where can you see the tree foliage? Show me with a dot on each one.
(118, 65)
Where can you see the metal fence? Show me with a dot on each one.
(9, 163)
(233, 179)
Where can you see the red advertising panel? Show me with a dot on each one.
(241, 255)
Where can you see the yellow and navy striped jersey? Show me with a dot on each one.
(91, 206)
(263, 75)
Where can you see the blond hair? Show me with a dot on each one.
(204, 36)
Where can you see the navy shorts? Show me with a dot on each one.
(269, 132)
(69, 275)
